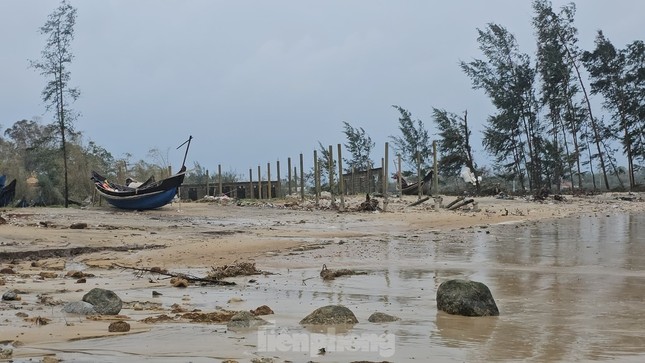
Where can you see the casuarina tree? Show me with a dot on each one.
(56, 58)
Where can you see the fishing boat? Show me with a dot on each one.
(7, 192)
(413, 188)
(149, 195)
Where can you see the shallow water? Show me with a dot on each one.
(567, 290)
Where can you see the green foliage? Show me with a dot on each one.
(360, 145)
(414, 143)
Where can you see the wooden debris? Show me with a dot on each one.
(204, 280)
(328, 274)
(236, 269)
(461, 204)
(459, 199)
(419, 201)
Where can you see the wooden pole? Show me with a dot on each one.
(435, 177)
(302, 178)
(278, 188)
(219, 180)
(316, 177)
(330, 168)
(269, 181)
(289, 176)
(252, 195)
(385, 174)
(207, 182)
(341, 190)
(419, 188)
(259, 183)
(398, 181)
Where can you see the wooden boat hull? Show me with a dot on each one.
(7, 193)
(151, 195)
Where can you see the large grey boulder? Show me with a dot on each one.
(468, 298)
(105, 302)
(330, 315)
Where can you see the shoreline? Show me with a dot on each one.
(203, 235)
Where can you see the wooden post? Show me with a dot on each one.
(435, 177)
(289, 176)
(207, 182)
(398, 181)
(278, 188)
(251, 184)
(330, 168)
(385, 174)
(268, 180)
(219, 180)
(419, 187)
(341, 190)
(302, 178)
(316, 177)
(259, 183)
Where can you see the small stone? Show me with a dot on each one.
(262, 310)
(382, 318)
(10, 296)
(78, 225)
(119, 327)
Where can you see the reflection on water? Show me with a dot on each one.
(567, 290)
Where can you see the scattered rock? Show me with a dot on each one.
(382, 318)
(50, 359)
(6, 353)
(78, 225)
(220, 316)
(245, 319)
(262, 310)
(178, 282)
(7, 271)
(81, 280)
(468, 298)
(48, 275)
(79, 307)
(10, 296)
(119, 327)
(263, 360)
(330, 315)
(105, 302)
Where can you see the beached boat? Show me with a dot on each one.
(149, 195)
(7, 192)
(413, 188)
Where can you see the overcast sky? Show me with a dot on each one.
(260, 81)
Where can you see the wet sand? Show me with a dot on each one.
(569, 281)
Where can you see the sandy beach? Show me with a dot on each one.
(287, 238)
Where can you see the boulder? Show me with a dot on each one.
(330, 315)
(467, 298)
(105, 302)
(245, 319)
(382, 318)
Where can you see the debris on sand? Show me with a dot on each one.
(328, 274)
(236, 269)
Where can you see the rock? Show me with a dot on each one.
(467, 298)
(119, 326)
(50, 359)
(262, 310)
(81, 280)
(6, 353)
(235, 300)
(178, 282)
(382, 318)
(245, 319)
(78, 225)
(330, 315)
(79, 307)
(10, 296)
(48, 275)
(2, 281)
(105, 302)
(7, 271)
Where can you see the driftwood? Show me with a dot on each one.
(419, 201)
(459, 199)
(328, 274)
(461, 204)
(139, 271)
